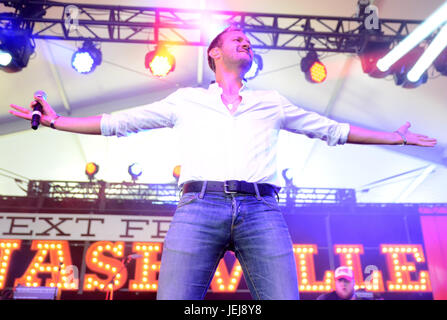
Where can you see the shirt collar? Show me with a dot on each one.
(214, 87)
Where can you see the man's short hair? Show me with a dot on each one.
(217, 42)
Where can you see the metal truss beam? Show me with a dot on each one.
(169, 193)
(148, 25)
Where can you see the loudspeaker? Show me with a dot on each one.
(35, 293)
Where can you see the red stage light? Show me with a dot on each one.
(160, 62)
(176, 172)
(91, 169)
(313, 69)
(374, 48)
(318, 72)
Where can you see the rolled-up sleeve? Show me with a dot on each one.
(312, 124)
(160, 114)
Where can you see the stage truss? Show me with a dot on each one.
(168, 193)
(172, 26)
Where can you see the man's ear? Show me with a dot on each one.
(215, 53)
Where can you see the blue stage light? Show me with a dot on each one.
(87, 58)
(5, 58)
(16, 48)
(135, 170)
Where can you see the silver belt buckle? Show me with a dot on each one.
(226, 186)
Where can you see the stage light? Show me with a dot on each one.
(160, 62)
(287, 174)
(313, 69)
(91, 169)
(5, 58)
(441, 63)
(87, 58)
(176, 172)
(438, 18)
(135, 171)
(256, 66)
(361, 7)
(430, 54)
(16, 48)
(374, 48)
(404, 65)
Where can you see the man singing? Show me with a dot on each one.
(228, 140)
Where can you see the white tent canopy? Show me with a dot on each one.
(121, 82)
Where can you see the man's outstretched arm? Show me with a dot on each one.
(400, 136)
(87, 125)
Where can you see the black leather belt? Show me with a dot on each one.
(231, 186)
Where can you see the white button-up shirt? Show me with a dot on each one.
(217, 145)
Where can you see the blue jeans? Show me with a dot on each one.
(203, 229)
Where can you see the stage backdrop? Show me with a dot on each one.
(87, 249)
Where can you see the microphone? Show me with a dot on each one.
(37, 109)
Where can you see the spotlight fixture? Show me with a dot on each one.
(256, 66)
(361, 8)
(176, 172)
(16, 47)
(5, 58)
(160, 62)
(430, 54)
(288, 177)
(87, 58)
(135, 171)
(373, 48)
(441, 63)
(313, 69)
(91, 169)
(404, 65)
(434, 21)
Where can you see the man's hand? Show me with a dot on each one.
(47, 112)
(86, 125)
(365, 136)
(414, 138)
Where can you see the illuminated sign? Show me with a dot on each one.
(83, 227)
(107, 269)
(400, 269)
(59, 256)
(98, 261)
(350, 256)
(306, 270)
(224, 280)
(147, 267)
